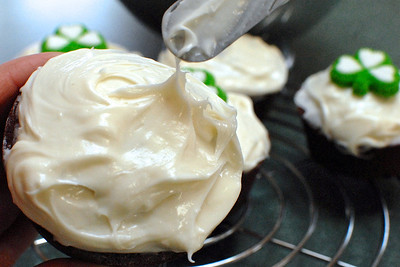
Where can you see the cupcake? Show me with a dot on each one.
(69, 37)
(118, 156)
(252, 134)
(249, 66)
(350, 114)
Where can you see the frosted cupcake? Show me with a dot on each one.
(350, 114)
(70, 37)
(249, 66)
(118, 157)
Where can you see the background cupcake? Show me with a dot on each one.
(249, 66)
(69, 37)
(350, 114)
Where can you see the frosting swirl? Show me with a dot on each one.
(355, 123)
(118, 153)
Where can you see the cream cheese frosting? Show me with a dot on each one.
(356, 123)
(118, 153)
(249, 66)
(252, 134)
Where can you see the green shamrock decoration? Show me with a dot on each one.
(72, 37)
(208, 79)
(368, 70)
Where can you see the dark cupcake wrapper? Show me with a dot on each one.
(372, 163)
(111, 259)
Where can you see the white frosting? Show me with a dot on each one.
(248, 66)
(114, 155)
(253, 136)
(356, 123)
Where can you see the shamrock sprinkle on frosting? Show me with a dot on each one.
(72, 37)
(368, 70)
(208, 79)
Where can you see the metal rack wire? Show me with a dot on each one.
(271, 230)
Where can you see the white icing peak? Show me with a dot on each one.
(57, 42)
(248, 66)
(384, 73)
(90, 38)
(356, 123)
(118, 157)
(348, 64)
(371, 58)
(71, 31)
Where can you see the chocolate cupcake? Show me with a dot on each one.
(117, 157)
(350, 114)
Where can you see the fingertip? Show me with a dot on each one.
(14, 74)
(16, 240)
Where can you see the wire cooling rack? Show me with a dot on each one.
(299, 213)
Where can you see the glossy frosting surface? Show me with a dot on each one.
(113, 155)
(252, 134)
(248, 66)
(356, 123)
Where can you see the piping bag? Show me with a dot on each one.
(198, 30)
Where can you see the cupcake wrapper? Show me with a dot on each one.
(373, 163)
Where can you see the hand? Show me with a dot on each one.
(16, 231)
